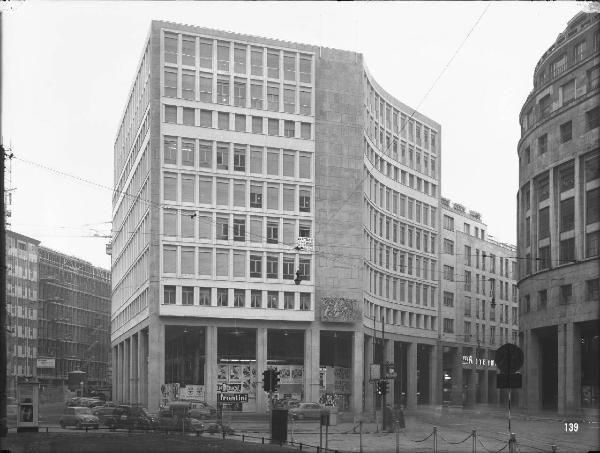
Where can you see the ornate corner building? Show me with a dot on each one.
(559, 223)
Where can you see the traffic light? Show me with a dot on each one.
(267, 380)
(382, 387)
(298, 278)
(275, 380)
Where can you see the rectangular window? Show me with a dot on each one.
(592, 206)
(592, 290)
(223, 56)
(272, 231)
(567, 214)
(239, 264)
(170, 48)
(222, 156)
(205, 191)
(170, 114)
(592, 168)
(256, 298)
(448, 325)
(256, 266)
(289, 129)
(289, 99)
(169, 295)
(273, 63)
(239, 298)
(448, 223)
(239, 59)
(169, 222)
(304, 200)
(273, 197)
(239, 157)
(187, 260)
(188, 151)
(272, 266)
(566, 132)
(542, 144)
(256, 195)
(448, 299)
(273, 126)
(223, 90)
(567, 251)
(592, 118)
(592, 244)
(567, 178)
(304, 266)
(305, 101)
(566, 294)
(289, 270)
(256, 61)
(448, 247)
(305, 301)
(223, 228)
(188, 50)
(305, 68)
(223, 120)
(206, 54)
(170, 150)
(288, 301)
(273, 97)
(188, 85)
(289, 202)
(239, 93)
(289, 66)
(257, 125)
(256, 229)
(305, 131)
(272, 299)
(544, 223)
(239, 193)
(545, 258)
(256, 95)
(448, 273)
(188, 225)
(170, 186)
(222, 297)
(169, 259)
(206, 118)
(170, 83)
(204, 296)
(239, 229)
(256, 158)
(189, 116)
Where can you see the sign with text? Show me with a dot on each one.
(46, 363)
(375, 372)
(232, 397)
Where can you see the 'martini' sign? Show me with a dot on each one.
(340, 309)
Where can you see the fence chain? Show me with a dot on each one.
(456, 443)
(492, 451)
(423, 440)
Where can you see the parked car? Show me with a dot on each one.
(286, 403)
(307, 411)
(134, 417)
(169, 420)
(202, 410)
(106, 415)
(79, 417)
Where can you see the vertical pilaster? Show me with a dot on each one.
(141, 371)
(358, 376)
(261, 365)
(532, 366)
(411, 374)
(121, 386)
(573, 368)
(312, 345)
(115, 370)
(156, 365)
(562, 367)
(126, 370)
(457, 378)
(210, 366)
(134, 368)
(368, 354)
(436, 375)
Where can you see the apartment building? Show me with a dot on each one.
(479, 307)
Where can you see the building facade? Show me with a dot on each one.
(559, 222)
(240, 164)
(74, 320)
(22, 308)
(479, 306)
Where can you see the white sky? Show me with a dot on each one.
(68, 68)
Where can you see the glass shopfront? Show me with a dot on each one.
(335, 379)
(285, 351)
(185, 364)
(236, 369)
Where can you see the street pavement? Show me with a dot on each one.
(534, 432)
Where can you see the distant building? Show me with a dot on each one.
(22, 307)
(479, 305)
(74, 319)
(559, 223)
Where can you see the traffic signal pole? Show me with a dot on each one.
(382, 373)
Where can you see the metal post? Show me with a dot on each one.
(397, 429)
(512, 443)
(360, 437)
(435, 439)
(474, 435)
(375, 382)
(320, 433)
(327, 434)
(382, 373)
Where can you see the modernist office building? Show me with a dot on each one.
(73, 318)
(21, 308)
(559, 222)
(240, 161)
(479, 306)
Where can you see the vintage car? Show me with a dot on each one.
(79, 417)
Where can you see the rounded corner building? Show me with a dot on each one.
(241, 164)
(559, 223)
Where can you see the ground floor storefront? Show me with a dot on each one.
(222, 363)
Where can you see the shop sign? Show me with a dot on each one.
(340, 309)
(375, 372)
(232, 397)
(468, 360)
(191, 392)
(46, 363)
(224, 387)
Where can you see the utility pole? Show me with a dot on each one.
(382, 373)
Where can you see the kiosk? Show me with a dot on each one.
(28, 394)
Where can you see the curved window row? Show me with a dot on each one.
(399, 317)
(400, 290)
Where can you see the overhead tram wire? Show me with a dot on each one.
(414, 110)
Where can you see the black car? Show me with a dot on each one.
(134, 417)
(106, 415)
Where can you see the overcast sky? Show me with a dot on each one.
(68, 68)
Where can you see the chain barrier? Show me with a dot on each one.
(456, 443)
(423, 440)
(492, 451)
